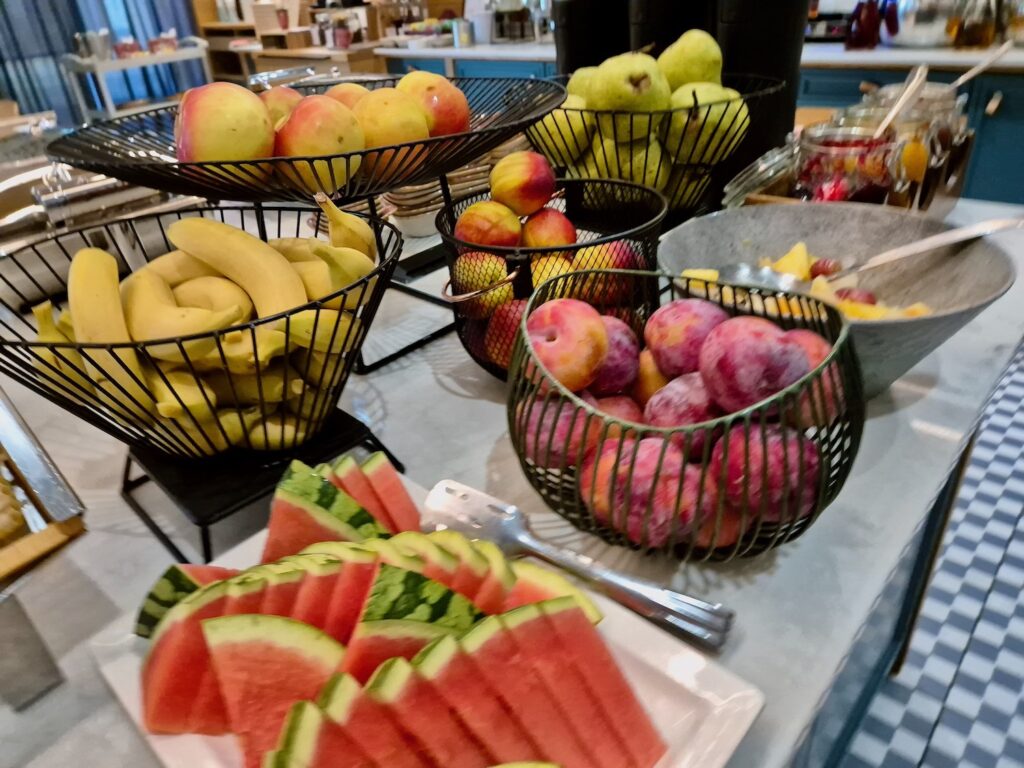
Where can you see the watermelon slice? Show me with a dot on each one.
(310, 739)
(313, 599)
(305, 481)
(535, 583)
(264, 664)
(490, 597)
(388, 485)
(473, 567)
(392, 555)
(438, 563)
(498, 661)
(585, 650)
(173, 674)
(277, 759)
(425, 716)
(397, 594)
(283, 582)
(369, 724)
(179, 580)
(374, 642)
(454, 677)
(538, 646)
(348, 476)
(295, 523)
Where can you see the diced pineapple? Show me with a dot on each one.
(797, 262)
(711, 275)
(822, 290)
(698, 281)
(859, 310)
(918, 309)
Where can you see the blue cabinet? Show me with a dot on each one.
(471, 68)
(996, 170)
(401, 66)
(841, 87)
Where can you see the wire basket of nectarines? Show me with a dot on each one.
(673, 123)
(532, 226)
(717, 424)
(348, 140)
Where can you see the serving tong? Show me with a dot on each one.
(481, 516)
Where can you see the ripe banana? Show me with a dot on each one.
(152, 314)
(294, 248)
(319, 281)
(214, 293)
(67, 360)
(308, 406)
(95, 302)
(262, 272)
(348, 266)
(314, 366)
(241, 353)
(268, 386)
(346, 229)
(214, 436)
(323, 330)
(65, 325)
(177, 266)
(277, 432)
(179, 393)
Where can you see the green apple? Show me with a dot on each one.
(641, 162)
(694, 58)
(565, 133)
(629, 83)
(579, 83)
(707, 123)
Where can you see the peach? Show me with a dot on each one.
(618, 371)
(747, 359)
(524, 181)
(649, 379)
(389, 116)
(348, 94)
(446, 106)
(546, 267)
(280, 101)
(676, 332)
(820, 405)
(222, 122)
(643, 489)
(488, 223)
(606, 289)
(731, 526)
(502, 330)
(321, 126)
(770, 471)
(557, 434)
(474, 271)
(681, 402)
(621, 407)
(569, 339)
(548, 228)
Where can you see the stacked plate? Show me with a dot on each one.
(415, 207)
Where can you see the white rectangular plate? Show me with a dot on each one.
(701, 709)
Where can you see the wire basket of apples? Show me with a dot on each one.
(717, 424)
(532, 226)
(668, 123)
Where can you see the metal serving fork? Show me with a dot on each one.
(479, 515)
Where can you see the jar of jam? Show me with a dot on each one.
(846, 163)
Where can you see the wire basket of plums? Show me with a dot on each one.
(672, 123)
(529, 227)
(718, 423)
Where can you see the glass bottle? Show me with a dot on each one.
(974, 24)
(865, 25)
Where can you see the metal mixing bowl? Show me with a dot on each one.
(956, 282)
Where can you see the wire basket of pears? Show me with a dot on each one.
(673, 123)
(201, 330)
(707, 423)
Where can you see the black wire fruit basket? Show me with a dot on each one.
(266, 384)
(733, 485)
(687, 153)
(617, 225)
(140, 149)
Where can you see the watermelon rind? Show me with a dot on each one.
(462, 548)
(342, 550)
(420, 545)
(168, 590)
(192, 603)
(321, 516)
(302, 480)
(309, 641)
(276, 759)
(401, 594)
(315, 563)
(393, 555)
(300, 733)
(497, 563)
(337, 697)
(402, 628)
(554, 584)
(479, 635)
(389, 681)
(433, 658)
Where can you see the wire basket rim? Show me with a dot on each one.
(726, 420)
(517, 251)
(185, 166)
(250, 325)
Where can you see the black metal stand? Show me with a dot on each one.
(211, 489)
(406, 271)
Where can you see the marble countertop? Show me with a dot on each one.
(799, 607)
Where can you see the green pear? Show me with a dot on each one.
(579, 83)
(641, 162)
(565, 133)
(694, 58)
(629, 83)
(707, 123)
(685, 186)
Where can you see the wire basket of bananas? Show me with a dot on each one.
(200, 330)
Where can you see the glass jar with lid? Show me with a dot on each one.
(846, 163)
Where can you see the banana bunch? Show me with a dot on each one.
(12, 521)
(190, 365)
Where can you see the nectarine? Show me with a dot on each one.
(569, 339)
